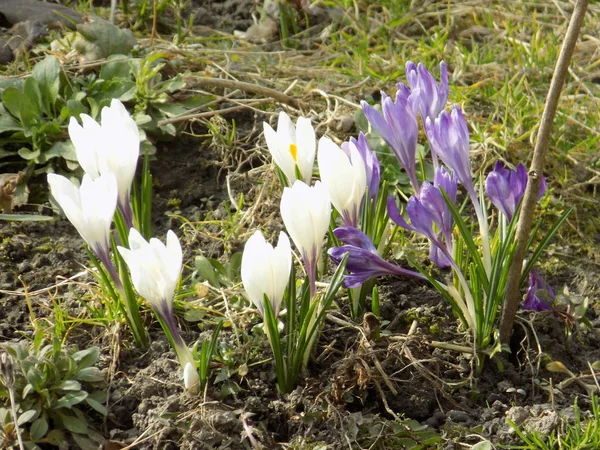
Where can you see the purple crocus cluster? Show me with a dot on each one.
(428, 212)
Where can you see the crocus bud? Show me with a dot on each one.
(427, 96)
(306, 212)
(370, 161)
(89, 207)
(399, 128)
(266, 270)
(344, 177)
(505, 188)
(191, 379)
(292, 147)
(112, 146)
(539, 294)
(448, 136)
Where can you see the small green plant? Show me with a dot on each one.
(581, 434)
(54, 388)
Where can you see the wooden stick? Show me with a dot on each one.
(512, 294)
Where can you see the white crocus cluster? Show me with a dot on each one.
(108, 153)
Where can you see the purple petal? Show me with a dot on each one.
(395, 215)
(354, 237)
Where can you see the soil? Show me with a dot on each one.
(357, 392)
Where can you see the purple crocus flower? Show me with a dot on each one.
(448, 136)
(398, 127)
(505, 188)
(424, 211)
(363, 261)
(539, 294)
(371, 162)
(427, 96)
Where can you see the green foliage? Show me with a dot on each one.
(301, 327)
(35, 112)
(55, 388)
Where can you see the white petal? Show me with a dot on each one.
(279, 149)
(306, 142)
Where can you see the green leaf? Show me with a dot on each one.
(96, 405)
(35, 378)
(116, 66)
(69, 385)
(55, 437)
(27, 416)
(25, 218)
(84, 443)
(105, 39)
(70, 399)
(38, 429)
(28, 154)
(87, 357)
(73, 424)
(11, 98)
(31, 90)
(207, 271)
(7, 123)
(47, 74)
(90, 374)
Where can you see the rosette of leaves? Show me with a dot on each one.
(55, 389)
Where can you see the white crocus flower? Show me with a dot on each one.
(154, 268)
(89, 207)
(345, 178)
(266, 270)
(306, 212)
(112, 146)
(292, 146)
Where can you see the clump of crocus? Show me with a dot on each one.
(293, 147)
(266, 270)
(345, 178)
(90, 207)
(399, 128)
(540, 295)
(505, 188)
(306, 211)
(110, 146)
(155, 269)
(364, 263)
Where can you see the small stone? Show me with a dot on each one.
(458, 416)
(543, 425)
(517, 414)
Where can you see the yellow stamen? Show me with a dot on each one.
(294, 152)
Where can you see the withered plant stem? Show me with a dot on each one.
(512, 294)
(246, 87)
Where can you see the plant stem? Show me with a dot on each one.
(511, 296)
